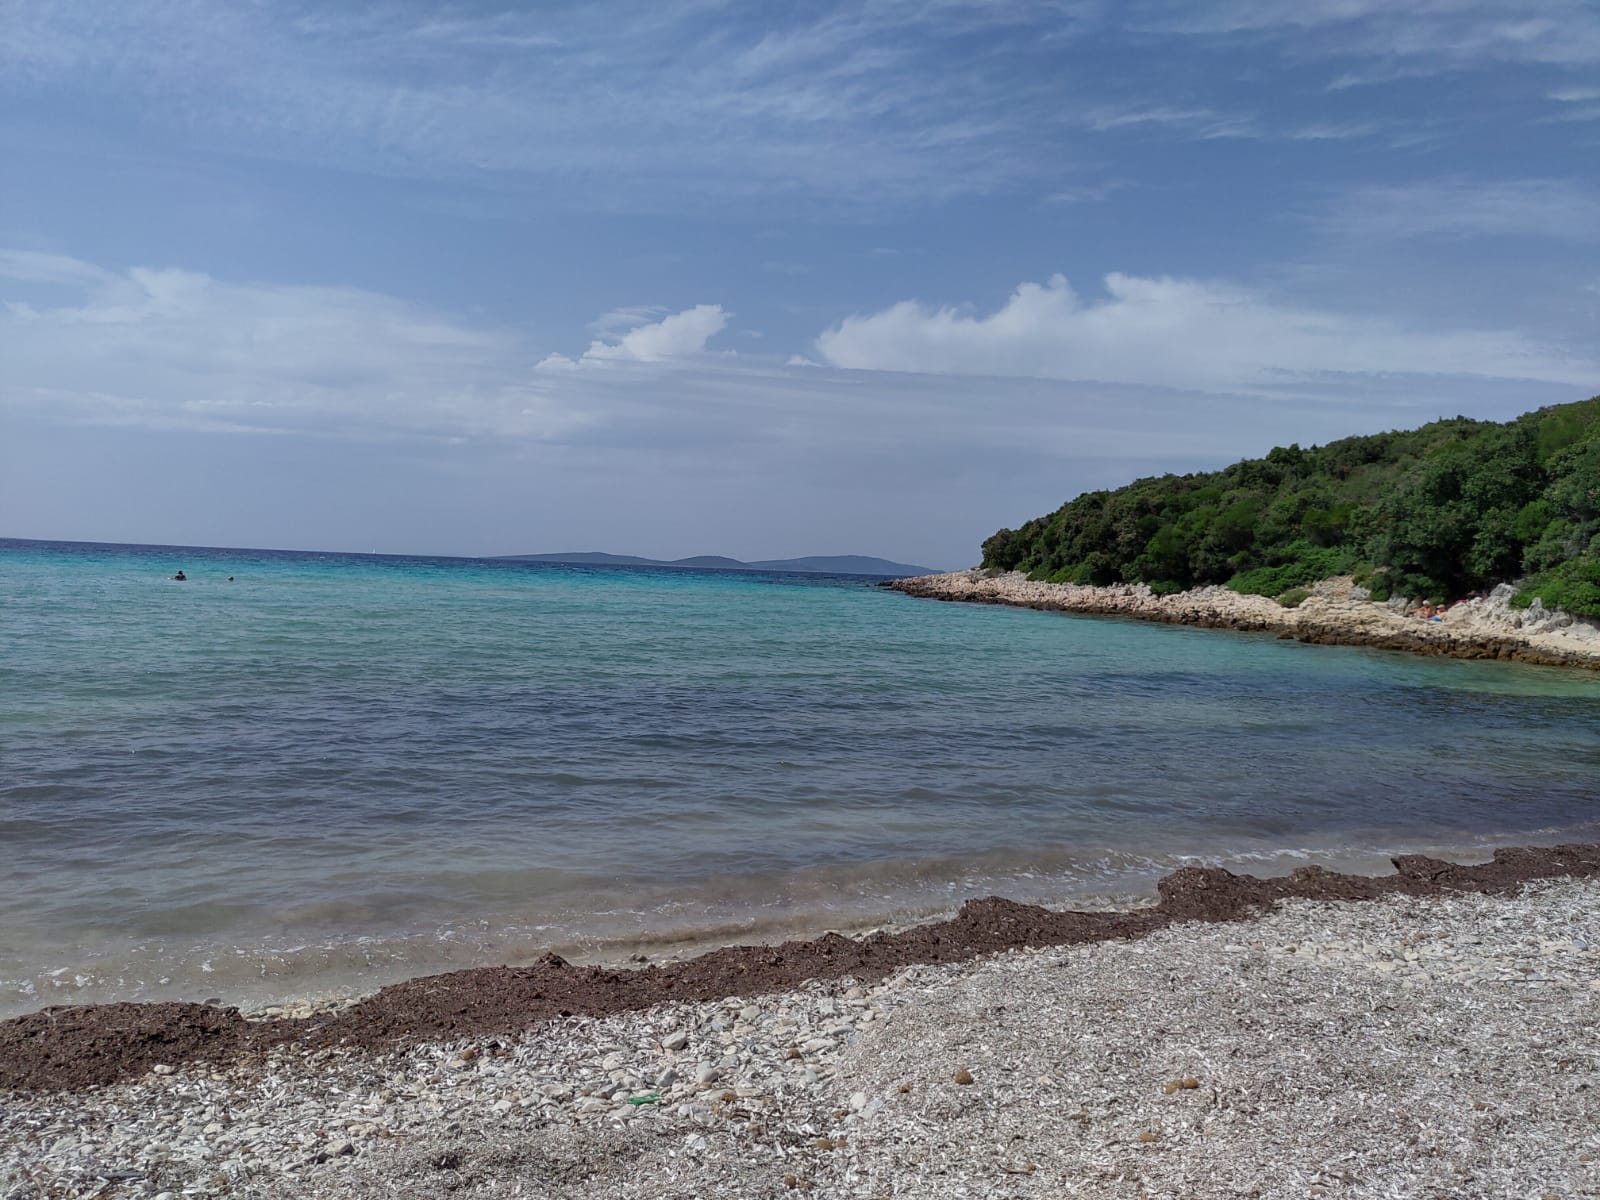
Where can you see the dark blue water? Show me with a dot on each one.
(339, 770)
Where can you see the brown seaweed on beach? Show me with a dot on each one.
(64, 1048)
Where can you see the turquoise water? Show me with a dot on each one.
(338, 771)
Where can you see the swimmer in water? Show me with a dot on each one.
(180, 576)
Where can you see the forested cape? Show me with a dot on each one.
(1440, 512)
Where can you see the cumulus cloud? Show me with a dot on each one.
(444, 416)
(680, 335)
(1173, 333)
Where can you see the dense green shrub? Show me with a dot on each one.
(1574, 587)
(1454, 507)
(1294, 597)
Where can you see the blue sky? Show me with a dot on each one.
(710, 277)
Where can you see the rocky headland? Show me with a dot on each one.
(1335, 613)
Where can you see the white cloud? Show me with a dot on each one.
(177, 349)
(32, 266)
(649, 107)
(1326, 131)
(1442, 34)
(1201, 123)
(679, 335)
(446, 417)
(1175, 333)
(1087, 193)
(173, 349)
(640, 106)
(1544, 208)
(170, 349)
(1578, 104)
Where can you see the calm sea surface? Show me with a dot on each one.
(338, 771)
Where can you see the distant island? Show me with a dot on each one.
(816, 564)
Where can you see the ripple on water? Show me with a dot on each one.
(356, 767)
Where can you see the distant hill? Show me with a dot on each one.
(817, 564)
(1452, 508)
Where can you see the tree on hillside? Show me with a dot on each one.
(1450, 508)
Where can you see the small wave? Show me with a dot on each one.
(662, 923)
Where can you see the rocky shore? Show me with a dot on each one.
(1335, 613)
(1269, 1037)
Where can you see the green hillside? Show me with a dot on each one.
(1439, 512)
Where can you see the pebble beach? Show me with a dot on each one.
(1403, 1046)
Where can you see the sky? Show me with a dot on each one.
(714, 277)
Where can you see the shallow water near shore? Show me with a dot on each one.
(340, 771)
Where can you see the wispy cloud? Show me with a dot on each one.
(706, 97)
(1088, 193)
(620, 320)
(1177, 333)
(33, 266)
(1202, 123)
(1440, 34)
(498, 30)
(176, 349)
(1333, 131)
(657, 106)
(1457, 208)
(1577, 104)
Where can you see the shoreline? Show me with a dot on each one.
(1432, 1042)
(340, 966)
(69, 1048)
(1336, 614)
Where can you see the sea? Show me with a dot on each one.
(304, 775)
